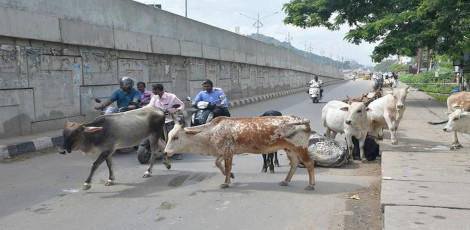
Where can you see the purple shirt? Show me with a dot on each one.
(167, 101)
(146, 96)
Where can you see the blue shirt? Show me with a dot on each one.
(211, 97)
(122, 99)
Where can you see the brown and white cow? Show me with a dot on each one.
(107, 133)
(388, 111)
(458, 105)
(224, 137)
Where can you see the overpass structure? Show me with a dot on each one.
(56, 56)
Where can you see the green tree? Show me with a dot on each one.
(384, 66)
(401, 26)
(398, 68)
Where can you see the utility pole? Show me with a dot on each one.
(258, 24)
(186, 8)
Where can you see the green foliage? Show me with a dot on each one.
(401, 26)
(435, 88)
(384, 66)
(398, 68)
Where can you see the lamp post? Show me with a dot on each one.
(258, 24)
(186, 8)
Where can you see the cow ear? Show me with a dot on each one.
(345, 109)
(92, 129)
(192, 132)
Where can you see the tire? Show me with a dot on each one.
(143, 155)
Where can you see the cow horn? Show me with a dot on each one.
(349, 99)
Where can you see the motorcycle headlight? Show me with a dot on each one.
(202, 104)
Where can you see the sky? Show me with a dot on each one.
(226, 14)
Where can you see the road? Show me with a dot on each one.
(43, 191)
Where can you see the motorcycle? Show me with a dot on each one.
(204, 112)
(314, 92)
(144, 151)
(110, 109)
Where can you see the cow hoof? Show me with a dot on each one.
(394, 142)
(223, 186)
(282, 183)
(109, 183)
(456, 147)
(232, 175)
(310, 187)
(86, 186)
(271, 170)
(146, 175)
(276, 163)
(168, 166)
(264, 170)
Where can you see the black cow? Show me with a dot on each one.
(269, 157)
(107, 133)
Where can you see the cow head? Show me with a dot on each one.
(459, 121)
(180, 138)
(400, 96)
(357, 113)
(73, 135)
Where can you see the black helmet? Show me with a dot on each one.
(126, 82)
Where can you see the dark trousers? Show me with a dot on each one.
(221, 111)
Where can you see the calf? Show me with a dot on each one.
(269, 157)
(224, 136)
(388, 111)
(107, 133)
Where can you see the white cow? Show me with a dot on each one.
(388, 111)
(459, 121)
(352, 120)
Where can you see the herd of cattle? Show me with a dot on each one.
(224, 137)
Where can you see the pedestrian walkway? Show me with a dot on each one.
(425, 184)
(25, 144)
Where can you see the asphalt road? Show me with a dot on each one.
(43, 191)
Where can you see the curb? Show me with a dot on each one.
(9, 151)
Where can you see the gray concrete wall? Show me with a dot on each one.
(56, 56)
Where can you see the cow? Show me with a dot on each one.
(270, 159)
(455, 102)
(459, 121)
(107, 133)
(224, 137)
(388, 111)
(365, 97)
(350, 119)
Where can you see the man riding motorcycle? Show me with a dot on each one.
(319, 82)
(125, 97)
(213, 95)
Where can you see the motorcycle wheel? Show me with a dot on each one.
(143, 155)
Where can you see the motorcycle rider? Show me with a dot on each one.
(211, 94)
(146, 95)
(319, 82)
(126, 96)
(165, 100)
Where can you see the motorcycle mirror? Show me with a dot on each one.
(188, 98)
(175, 106)
(221, 97)
(97, 100)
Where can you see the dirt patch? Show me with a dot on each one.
(366, 213)
(28, 155)
(356, 168)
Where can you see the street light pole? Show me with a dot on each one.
(258, 24)
(186, 8)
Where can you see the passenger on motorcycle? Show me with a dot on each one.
(166, 101)
(213, 95)
(125, 97)
(319, 82)
(146, 95)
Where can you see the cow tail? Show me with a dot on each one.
(437, 123)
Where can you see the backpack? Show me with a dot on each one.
(371, 148)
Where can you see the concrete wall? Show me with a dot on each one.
(56, 56)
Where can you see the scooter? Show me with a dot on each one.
(144, 151)
(204, 112)
(314, 92)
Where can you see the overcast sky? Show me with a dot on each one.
(225, 14)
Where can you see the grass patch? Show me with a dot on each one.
(439, 97)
